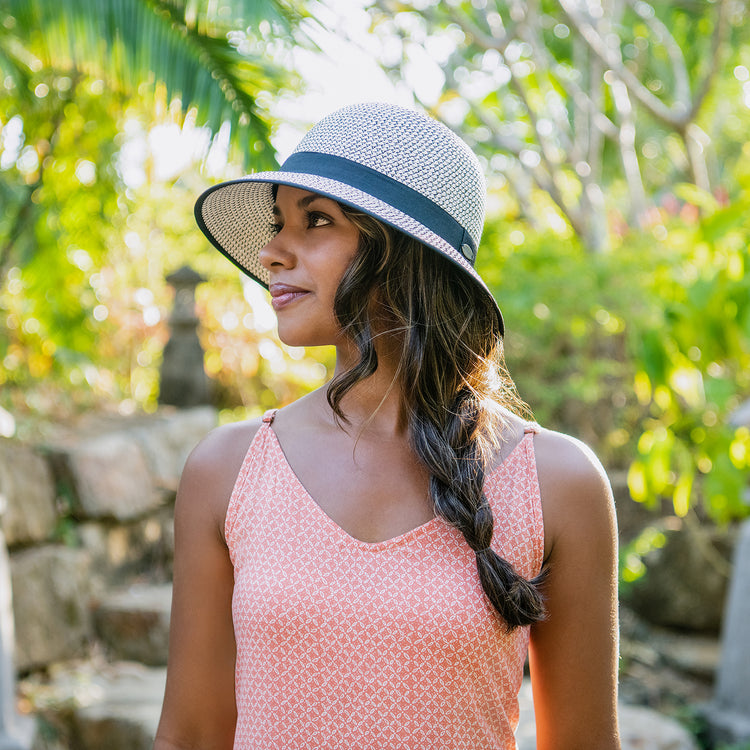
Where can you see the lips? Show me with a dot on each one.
(283, 295)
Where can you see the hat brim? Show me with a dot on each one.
(237, 218)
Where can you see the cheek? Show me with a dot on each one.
(339, 269)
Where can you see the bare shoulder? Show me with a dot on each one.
(224, 448)
(199, 700)
(212, 468)
(573, 652)
(566, 463)
(576, 494)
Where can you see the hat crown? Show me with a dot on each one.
(410, 148)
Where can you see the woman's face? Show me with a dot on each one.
(314, 244)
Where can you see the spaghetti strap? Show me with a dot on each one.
(269, 416)
(531, 428)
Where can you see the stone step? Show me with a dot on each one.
(117, 707)
(95, 706)
(641, 728)
(123, 468)
(133, 623)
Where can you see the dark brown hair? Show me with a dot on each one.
(452, 380)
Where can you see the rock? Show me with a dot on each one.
(126, 714)
(167, 438)
(50, 604)
(691, 654)
(640, 728)
(27, 486)
(695, 655)
(20, 734)
(134, 623)
(104, 707)
(726, 728)
(122, 551)
(729, 716)
(644, 729)
(123, 468)
(665, 668)
(109, 477)
(526, 732)
(686, 580)
(16, 730)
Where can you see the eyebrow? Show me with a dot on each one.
(303, 202)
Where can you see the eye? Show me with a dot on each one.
(316, 219)
(275, 228)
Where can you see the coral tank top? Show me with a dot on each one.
(350, 645)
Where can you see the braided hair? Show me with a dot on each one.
(452, 380)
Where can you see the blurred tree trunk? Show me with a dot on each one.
(571, 91)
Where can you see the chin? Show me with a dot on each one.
(296, 329)
(299, 337)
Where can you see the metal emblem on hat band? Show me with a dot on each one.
(469, 252)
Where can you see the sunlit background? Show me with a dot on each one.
(613, 134)
(616, 242)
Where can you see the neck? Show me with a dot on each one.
(374, 404)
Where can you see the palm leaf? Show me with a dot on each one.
(177, 44)
(285, 16)
(15, 62)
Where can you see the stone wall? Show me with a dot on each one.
(88, 523)
(86, 512)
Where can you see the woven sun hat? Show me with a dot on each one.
(399, 165)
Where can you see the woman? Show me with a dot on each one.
(364, 567)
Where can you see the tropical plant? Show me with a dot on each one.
(211, 57)
(644, 352)
(598, 104)
(80, 82)
(200, 54)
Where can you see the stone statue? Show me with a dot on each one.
(184, 382)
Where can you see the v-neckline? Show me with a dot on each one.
(352, 540)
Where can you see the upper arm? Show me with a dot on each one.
(199, 705)
(573, 653)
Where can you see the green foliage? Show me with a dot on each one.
(644, 352)
(565, 343)
(82, 310)
(631, 565)
(599, 110)
(61, 189)
(71, 71)
(109, 358)
(204, 56)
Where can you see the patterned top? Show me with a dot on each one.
(349, 645)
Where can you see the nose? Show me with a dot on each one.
(277, 254)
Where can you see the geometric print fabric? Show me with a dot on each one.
(349, 645)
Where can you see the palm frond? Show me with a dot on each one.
(15, 62)
(285, 15)
(176, 43)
